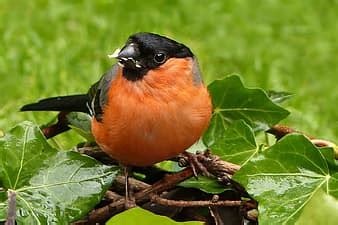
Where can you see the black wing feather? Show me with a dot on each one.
(72, 103)
(92, 103)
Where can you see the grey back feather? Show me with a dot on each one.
(197, 76)
(98, 93)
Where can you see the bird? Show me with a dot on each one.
(150, 106)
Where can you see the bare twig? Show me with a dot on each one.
(280, 131)
(181, 203)
(134, 184)
(216, 166)
(112, 196)
(323, 143)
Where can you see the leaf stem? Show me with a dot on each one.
(11, 212)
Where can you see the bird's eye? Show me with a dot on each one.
(159, 58)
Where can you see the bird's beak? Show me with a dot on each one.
(128, 51)
(127, 56)
(114, 54)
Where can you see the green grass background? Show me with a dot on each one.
(50, 48)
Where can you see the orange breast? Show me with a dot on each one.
(155, 118)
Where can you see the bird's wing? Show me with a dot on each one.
(98, 93)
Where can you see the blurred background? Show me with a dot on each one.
(50, 48)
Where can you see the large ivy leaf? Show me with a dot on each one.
(321, 210)
(232, 101)
(234, 143)
(141, 216)
(285, 177)
(52, 187)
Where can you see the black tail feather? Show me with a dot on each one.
(73, 103)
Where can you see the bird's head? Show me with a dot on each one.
(146, 51)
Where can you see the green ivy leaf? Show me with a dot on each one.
(205, 184)
(81, 123)
(320, 210)
(232, 101)
(234, 143)
(169, 166)
(141, 216)
(3, 205)
(279, 96)
(52, 187)
(285, 177)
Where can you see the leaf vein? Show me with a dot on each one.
(30, 208)
(62, 183)
(22, 157)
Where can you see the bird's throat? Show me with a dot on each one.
(134, 74)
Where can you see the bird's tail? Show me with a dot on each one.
(72, 103)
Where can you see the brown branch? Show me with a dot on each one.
(112, 196)
(323, 143)
(57, 128)
(280, 131)
(134, 184)
(216, 166)
(181, 203)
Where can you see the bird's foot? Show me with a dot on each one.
(187, 158)
(129, 202)
(129, 194)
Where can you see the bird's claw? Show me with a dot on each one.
(187, 158)
(129, 203)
